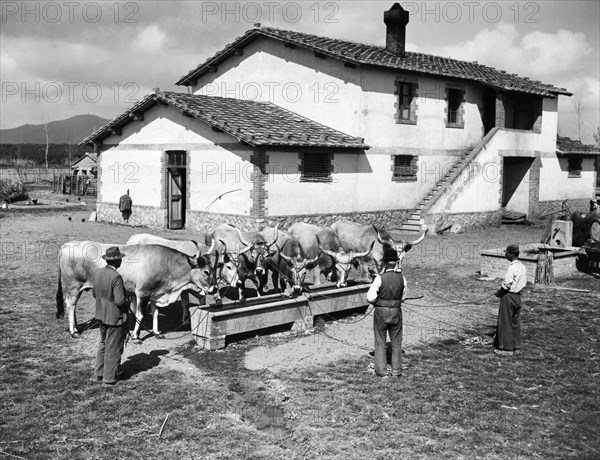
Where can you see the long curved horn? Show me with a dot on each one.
(275, 236)
(355, 255)
(311, 261)
(243, 240)
(289, 259)
(213, 246)
(378, 235)
(198, 248)
(422, 237)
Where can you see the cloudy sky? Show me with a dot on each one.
(65, 58)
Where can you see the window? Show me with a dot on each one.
(176, 158)
(454, 111)
(574, 167)
(406, 104)
(316, 167)
(404, 168)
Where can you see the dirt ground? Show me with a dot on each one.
(31, 241)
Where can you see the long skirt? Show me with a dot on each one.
(508, 329)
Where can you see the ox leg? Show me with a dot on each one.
(140, 305)
(256, 282)
(155, 329)
(185, 307)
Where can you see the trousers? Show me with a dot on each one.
(387, 320)
(110, 349)
(508, 328)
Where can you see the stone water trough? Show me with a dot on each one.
(563, 261)
(214, 325)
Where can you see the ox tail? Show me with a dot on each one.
(60, 301)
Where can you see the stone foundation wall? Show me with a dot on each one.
(546, 207)
(144, 216)
(467, 220)
(148, 216)
(389, 220)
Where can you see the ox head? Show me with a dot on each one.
(252, 257)
(222, 266)
(294, 267)
(201, 273)
(343, 261)
(400, 248)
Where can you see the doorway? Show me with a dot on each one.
(515, 183)
(176, 189)
(489, 110)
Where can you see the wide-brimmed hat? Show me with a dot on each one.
(113, 253)
(512, 248)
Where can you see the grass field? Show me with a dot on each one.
(455, 400)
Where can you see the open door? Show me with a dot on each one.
(515, 184)
(176, 193)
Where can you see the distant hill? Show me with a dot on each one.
(70, 131)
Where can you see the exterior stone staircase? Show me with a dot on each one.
(414, 223)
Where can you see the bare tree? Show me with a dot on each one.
(578, 101)
(71, 148)
(45, 123)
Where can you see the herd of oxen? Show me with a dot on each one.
(160, 271)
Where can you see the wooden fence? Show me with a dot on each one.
(32, 175)
(75, 185)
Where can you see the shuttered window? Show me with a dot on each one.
(316, 167)
(406, 102)
(404, 168)
(574, 166)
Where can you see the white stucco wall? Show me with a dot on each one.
(218, 163)
(555, 183)
(360, 182)
(358, 101)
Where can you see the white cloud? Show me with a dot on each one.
(538, 55)
(150, 39)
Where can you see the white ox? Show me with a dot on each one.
(150, 273)
(357, 237)
(322, 242)
(222, 270)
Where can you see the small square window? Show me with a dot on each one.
(404, 168)
(574, 166)
(315, 167)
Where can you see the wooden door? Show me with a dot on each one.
(176, 193)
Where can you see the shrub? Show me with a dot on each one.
(11, 191)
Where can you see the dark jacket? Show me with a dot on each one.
(111, 301)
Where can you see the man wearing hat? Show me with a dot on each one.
(386, 294)
(508, 330)
(111, 310)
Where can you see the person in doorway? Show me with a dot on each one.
(508, 330)
(111, 310)
(386, 294)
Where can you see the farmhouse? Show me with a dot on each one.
(87, 165)
(284, 126)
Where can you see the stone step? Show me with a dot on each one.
(411, 228)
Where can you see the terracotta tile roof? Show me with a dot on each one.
(363, 54)
(567, 146)
(255, 123)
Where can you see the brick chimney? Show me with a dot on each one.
(395, 39)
